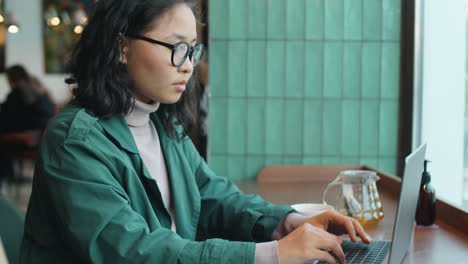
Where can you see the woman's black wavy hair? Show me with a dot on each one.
(103, 85)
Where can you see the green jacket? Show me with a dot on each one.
(93, 201)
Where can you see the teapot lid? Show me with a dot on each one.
(358, 176)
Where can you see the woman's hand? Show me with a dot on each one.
(307, 243)
(338, 224)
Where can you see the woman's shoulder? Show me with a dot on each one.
(77, 126)
(72, 122)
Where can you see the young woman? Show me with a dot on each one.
(118, 181)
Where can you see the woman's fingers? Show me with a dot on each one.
(326, 235)
(337, 251)
(349, 226)
(308, 242)
(352, 227)
(360, 231)
(331, 243)
(324, 256)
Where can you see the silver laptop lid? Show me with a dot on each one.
(404, 220)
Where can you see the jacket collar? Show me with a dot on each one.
(164, 138)
(118, 129)
(185, 200)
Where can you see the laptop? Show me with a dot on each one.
(378, 251)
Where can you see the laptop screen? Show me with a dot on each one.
(404, 220)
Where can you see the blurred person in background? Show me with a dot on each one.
(23, 116)
(27, 106)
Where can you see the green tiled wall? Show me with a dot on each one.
(303, 82)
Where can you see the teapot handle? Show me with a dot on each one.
(334, 183)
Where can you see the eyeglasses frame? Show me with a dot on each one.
(173, 47)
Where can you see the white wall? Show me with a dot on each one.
(443, 95)
(26, 48)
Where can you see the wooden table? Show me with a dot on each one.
(441, 244)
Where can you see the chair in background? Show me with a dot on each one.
(23, 146)
(28, 147)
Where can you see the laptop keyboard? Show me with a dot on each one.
(360, 252)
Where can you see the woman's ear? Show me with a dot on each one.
(123, 48)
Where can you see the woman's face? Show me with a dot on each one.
(149, 65)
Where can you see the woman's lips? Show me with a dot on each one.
(180, 86)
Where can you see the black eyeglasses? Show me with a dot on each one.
(180, 51)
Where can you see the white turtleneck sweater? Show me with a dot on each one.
(147, 140)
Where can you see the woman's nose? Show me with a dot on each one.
(187, 66)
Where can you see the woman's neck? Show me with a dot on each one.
(139, 114)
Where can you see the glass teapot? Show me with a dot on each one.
(359, 197)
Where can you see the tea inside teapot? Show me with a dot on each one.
(359, 197)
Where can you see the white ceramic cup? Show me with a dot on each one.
(311, 209)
